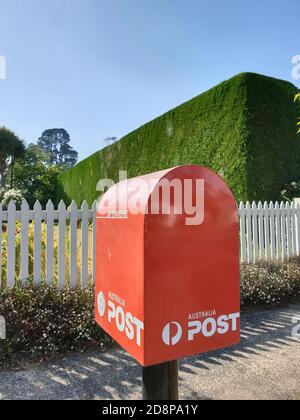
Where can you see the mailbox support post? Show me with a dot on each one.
(160, 382)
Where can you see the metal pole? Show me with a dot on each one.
(160, 382)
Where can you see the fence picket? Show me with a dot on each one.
(73, 245)
(293, 230)
(283, 231)
(50, 242)
(288, 231)
(243, 233)
(260, 212)
(11, 244)
(24, 250)
(267, 231)
(84, 244)
(249, 232)
(62, 245)
(37, 249)
(278, 232)
(272, 231)
(255, 233)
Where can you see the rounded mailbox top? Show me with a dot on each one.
(161, 193)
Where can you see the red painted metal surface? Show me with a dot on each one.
(165, 289)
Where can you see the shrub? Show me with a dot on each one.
(44, 321)
(13, 194)
(270, 284)
(291, 191)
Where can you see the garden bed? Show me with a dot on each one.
(43, 322)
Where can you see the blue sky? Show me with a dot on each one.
(104, 67)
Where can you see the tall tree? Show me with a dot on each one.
(11, 148)
(56, 143)
(35, 177)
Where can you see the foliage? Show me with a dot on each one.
(44, 320)
(15, 195)
(270, 284)
(55, 142)
(291, 191)
(34, 177)
(239, 128)
(10, 147)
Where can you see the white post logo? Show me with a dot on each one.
(101, 304)
(125, 322)
(173, 332)
(168, 337)
(2, 67)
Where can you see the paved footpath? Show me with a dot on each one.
(266, 365)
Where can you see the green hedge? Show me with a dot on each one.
(244, 129)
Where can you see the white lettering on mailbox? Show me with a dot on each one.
(125, 321)
(211, 326)
(208, 328)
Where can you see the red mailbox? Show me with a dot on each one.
(167, 265)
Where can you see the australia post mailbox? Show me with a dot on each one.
(167, 265)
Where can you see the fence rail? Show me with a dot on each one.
(58, 245)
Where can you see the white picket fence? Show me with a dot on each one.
(58, 246)
(269, 232)
(56, 235)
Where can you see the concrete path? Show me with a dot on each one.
(266, 365)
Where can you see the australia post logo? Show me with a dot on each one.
(205, 324)
(125, 322)
(173, 332)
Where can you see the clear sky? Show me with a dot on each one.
(104, 67)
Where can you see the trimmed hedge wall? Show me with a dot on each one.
(273, 155)
(244, 129)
